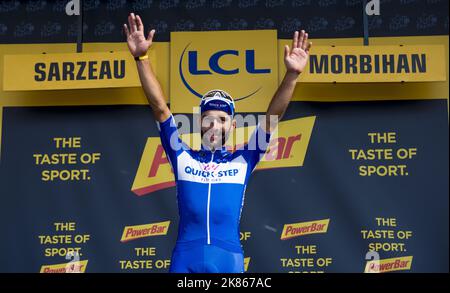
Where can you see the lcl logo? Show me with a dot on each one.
(215, 67)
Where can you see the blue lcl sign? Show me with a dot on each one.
(214, 65)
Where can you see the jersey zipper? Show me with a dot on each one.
(209, 200)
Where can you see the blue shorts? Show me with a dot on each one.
(206, 259)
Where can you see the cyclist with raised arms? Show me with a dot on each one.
(211, 181)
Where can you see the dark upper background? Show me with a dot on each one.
(45, 21)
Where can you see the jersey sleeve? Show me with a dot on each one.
(170, 140)
(256, 147)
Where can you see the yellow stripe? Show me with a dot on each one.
(370, 91)
(303, 92)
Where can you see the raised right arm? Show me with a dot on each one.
(138, 46)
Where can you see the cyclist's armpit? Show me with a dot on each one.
(170, 139)
(256, 146)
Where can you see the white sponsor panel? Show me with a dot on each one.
(229, 172)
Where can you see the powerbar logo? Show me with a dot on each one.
(286, 149)
(147, 230)
(389, 265)
(304, 228)
(72, 267)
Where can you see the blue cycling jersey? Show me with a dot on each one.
(210, 187)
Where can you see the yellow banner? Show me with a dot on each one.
(243, 63)
(376, 64)
(70, 71)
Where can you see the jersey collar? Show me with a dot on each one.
(222, 150)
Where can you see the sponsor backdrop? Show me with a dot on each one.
(374, 178)
(355, 181)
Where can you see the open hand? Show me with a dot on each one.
(137, 43)
(296, 58)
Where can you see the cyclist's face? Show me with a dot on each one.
(216, 126)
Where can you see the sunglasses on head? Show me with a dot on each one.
(223, 95)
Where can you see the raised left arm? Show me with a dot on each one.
(295, 60)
